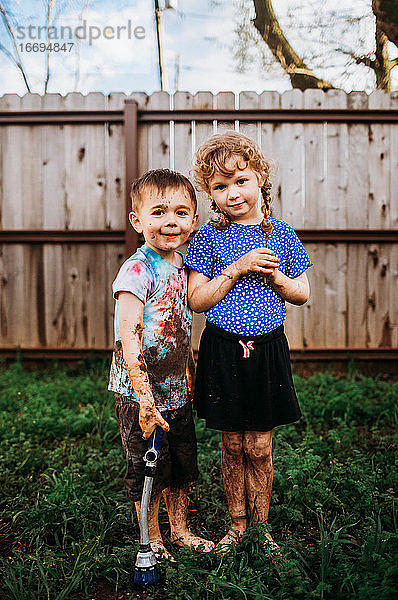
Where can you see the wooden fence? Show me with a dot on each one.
(63, 170)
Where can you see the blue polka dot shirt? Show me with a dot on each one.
(252, 307)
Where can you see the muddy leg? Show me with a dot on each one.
(177, 508)
(155, 536)
(259, 473)
(233, 472)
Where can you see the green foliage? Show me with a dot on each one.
(66, 524)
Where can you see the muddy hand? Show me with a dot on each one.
(149, 419)
(260, 260)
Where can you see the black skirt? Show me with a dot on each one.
(244, 383)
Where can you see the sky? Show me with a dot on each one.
(199, 41)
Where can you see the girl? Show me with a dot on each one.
(244, 265)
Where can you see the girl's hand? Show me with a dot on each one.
(260, 260)
(273, 276)
(149, 419)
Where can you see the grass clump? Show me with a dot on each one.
(66, 528)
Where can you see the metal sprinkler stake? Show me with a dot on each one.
(146, 571)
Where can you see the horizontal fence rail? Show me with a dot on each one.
(185, 116)
(326, 236)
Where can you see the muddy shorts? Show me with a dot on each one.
(177, 463)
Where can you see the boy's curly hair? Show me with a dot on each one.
(211, 158)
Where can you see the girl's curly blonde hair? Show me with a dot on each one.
(211, 158)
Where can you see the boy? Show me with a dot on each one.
(149, 368)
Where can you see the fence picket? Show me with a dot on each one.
(159, 134)
(393, 304)
(115, 161)
(31, 175)
(316, 196)
(225, 101)
(379, 318)
(268, 143)
(378, 315)
(249, 100)
(142, 100)
(379, 166)
(314, 324)
(183, 135)
(356, 199)
(12, 266)
(53, 167)
(203, 130)
(12, 140)
(335, 306)
(357, 295)
(291, 161)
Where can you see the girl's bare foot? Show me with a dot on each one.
(232, 537)
(187, 538)
(160, 550)
(271, 548)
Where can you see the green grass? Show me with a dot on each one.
(66, 529)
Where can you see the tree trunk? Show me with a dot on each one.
(381, 64)
(386, 13)
(267, 25)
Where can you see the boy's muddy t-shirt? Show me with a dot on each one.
(167, 320)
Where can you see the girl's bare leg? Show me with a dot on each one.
(233, 472)
(155, 536)
(259, 473)
(177, 509)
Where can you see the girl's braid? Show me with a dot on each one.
(222, 221)
(265, 207)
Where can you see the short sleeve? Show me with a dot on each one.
(135, 276)
(199, 255)
(297, 260)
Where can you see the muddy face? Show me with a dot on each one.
(166, 220)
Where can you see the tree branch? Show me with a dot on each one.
(362, 60)
(380, 64)
(17, 61)
(48, 21)
(393, 63)
(267, 25)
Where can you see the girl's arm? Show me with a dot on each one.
(131, 311)
(203, 292)
(295, 291)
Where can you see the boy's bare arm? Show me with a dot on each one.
(130, 320)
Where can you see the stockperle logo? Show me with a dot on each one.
(81, 32)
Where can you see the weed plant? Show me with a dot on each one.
(66, 529)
